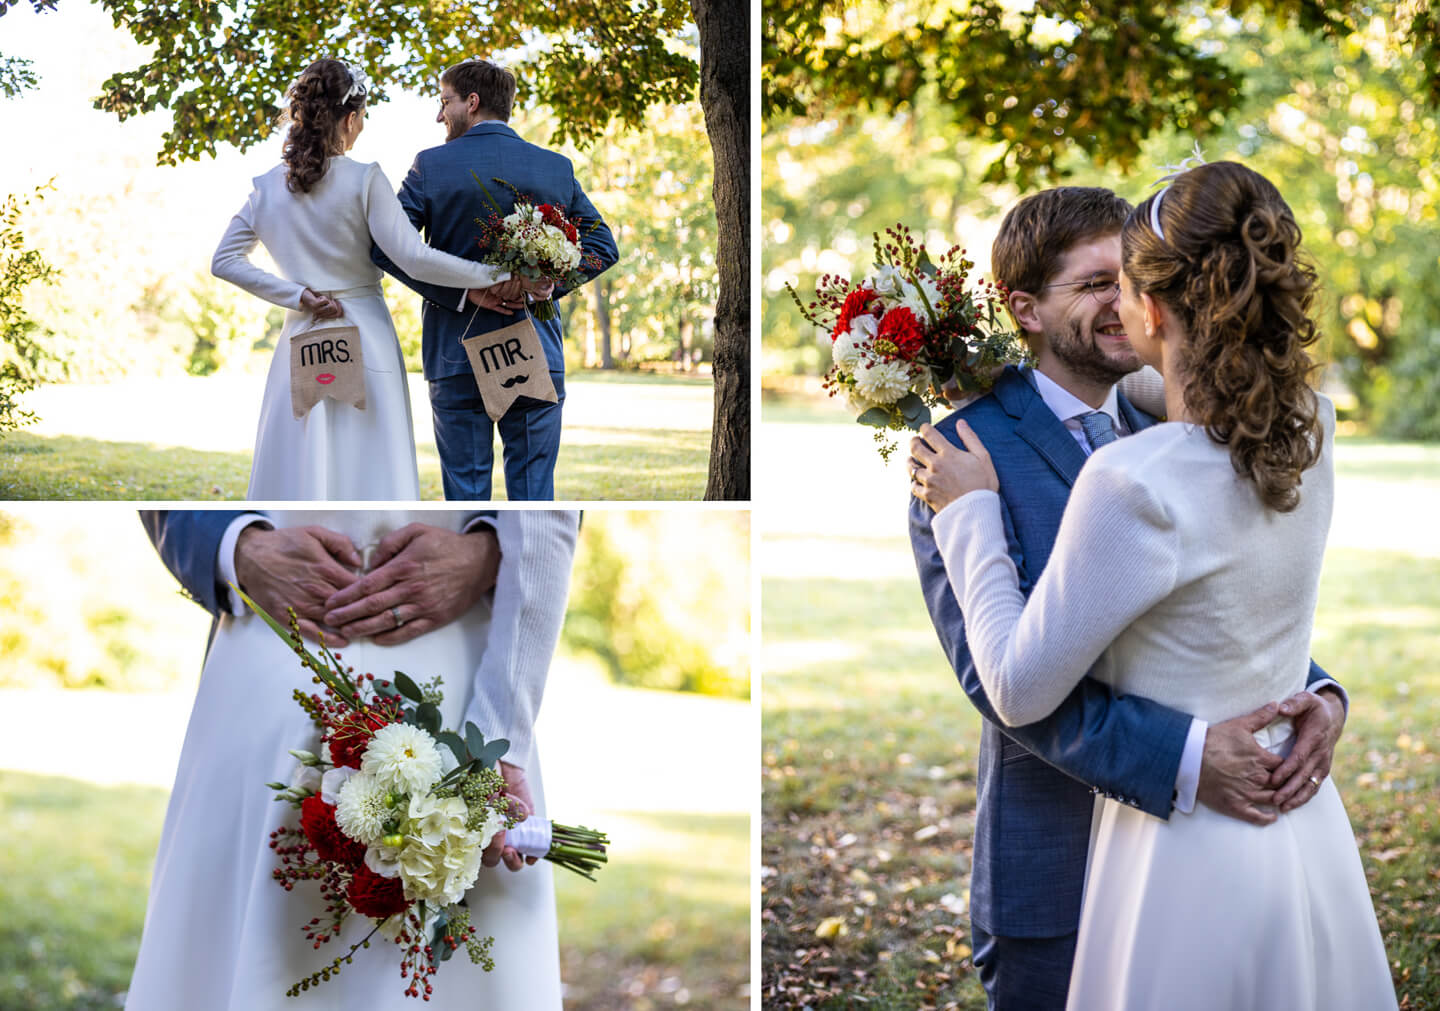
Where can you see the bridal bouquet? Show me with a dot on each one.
(394, 817)
(535, 241)
(909, 330)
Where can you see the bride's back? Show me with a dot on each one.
(320, 238)
(1235, 631)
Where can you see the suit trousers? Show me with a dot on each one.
(1023, 973)
(465, 438)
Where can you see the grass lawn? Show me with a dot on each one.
(669, 914)
(869, 747)
(627, 436)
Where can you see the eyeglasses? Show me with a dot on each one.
(1098, 286)
(446, 98)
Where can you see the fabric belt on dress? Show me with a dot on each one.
(359, 291)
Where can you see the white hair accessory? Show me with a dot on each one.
(359, 83)
(1173, 172)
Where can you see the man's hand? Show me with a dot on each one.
(1235, 770)
(505, 297)
(1319, 718)
(538, 291)
(299, 567)
(522, 806)
(423, 577)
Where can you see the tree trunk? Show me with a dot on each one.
(602, 320)
(725, 96)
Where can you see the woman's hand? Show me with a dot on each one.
(321, 306)
(940, 471)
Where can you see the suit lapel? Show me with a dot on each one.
(1038, 426)
(1137, 419)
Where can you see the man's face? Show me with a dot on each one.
(1080, 314)
(454, 113)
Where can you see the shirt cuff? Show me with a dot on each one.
(225, 560)
(485, 521)
(1331, 683)
(1187, 780)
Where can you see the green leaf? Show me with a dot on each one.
(875, 417)
(408, 688)
(474, 740)
(913, 410)
(384, 688)
(427, 718)
(456, 744)
(493, 752)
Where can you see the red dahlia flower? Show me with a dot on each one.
(901, 327)
(350, 736)
(372, 895)
(857, 303)
(317, 820)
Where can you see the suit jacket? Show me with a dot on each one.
(1034, 798)
(443, 201)
(531, 592)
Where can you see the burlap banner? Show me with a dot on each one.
(326, 362)
(509, 363)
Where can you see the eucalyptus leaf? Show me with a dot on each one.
(408, 688)
(386, 689)
(456, 744)
(474, 740)
(875, 417)
(494, 751)
(427, 718)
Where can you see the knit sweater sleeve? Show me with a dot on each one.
(532, 588)
(1115, 557)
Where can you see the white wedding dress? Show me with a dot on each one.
(1171, 577)
(321, 240)
(220, 934)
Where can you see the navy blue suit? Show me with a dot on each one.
(443, 200)
(1036, 783)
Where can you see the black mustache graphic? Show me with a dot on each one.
(513, 381)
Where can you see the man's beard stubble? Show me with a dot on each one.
(1084, 359)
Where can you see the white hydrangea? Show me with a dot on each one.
(432, 818)
(361, 811)
(403, 757)
(441, 873)
(884, 382)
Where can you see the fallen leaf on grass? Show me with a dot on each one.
(831, 926)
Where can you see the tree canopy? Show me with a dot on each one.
(221, 68)
(1039, 82)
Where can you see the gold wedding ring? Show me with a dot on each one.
(1315, 781)
(396, 612)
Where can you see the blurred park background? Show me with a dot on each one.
(110, 306)
(100, 656)
(941, 115)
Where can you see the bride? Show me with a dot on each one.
(1186, 570)
(220, 934)
(317, 214)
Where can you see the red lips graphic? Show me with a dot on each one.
(324, 379)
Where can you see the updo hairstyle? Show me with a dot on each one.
(316, 110)
(1230, 267)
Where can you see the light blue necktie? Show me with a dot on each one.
(1099, 429)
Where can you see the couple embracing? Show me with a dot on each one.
(331, 224)
(1129, 605)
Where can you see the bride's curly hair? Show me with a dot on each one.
(1230, 267)
(315, 111)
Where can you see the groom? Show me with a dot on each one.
(444, 201)
(422, 577)
(1058, 252)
